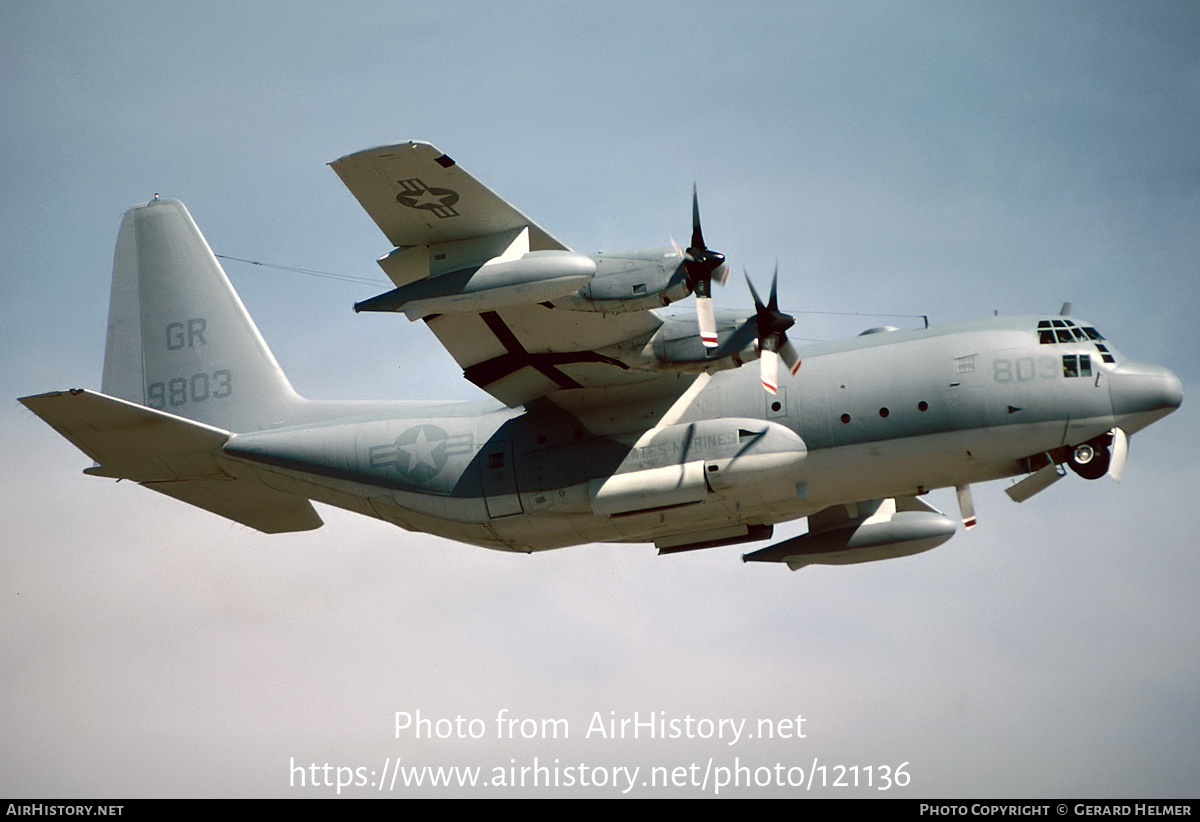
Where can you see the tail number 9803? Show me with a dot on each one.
(179, 391)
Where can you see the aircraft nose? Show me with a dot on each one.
(1143, 393)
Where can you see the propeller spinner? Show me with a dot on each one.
(702, 264)
(772, 336)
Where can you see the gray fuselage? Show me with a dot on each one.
(893, 413)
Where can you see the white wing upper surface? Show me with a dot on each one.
(419, 196)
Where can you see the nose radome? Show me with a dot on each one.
(1143, 393)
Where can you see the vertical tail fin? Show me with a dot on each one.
(179, 338)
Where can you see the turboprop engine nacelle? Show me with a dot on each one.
(630, 281)
(885, 534)
(684, 463)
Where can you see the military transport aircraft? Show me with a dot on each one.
(617, 421)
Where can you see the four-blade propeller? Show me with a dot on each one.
(772, 335)
(702, 265)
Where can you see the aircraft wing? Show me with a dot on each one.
(503, 295)
(417, 196)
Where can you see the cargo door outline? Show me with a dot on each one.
(499, 479)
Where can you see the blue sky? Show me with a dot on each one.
(945, 159)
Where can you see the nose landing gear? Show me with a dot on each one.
(1100, 455)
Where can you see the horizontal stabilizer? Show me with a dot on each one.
(262, 508)
(130, 441)
(168, 454)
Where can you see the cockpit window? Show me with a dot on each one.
(1054, 332)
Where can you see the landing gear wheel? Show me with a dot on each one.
(1089, 461)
